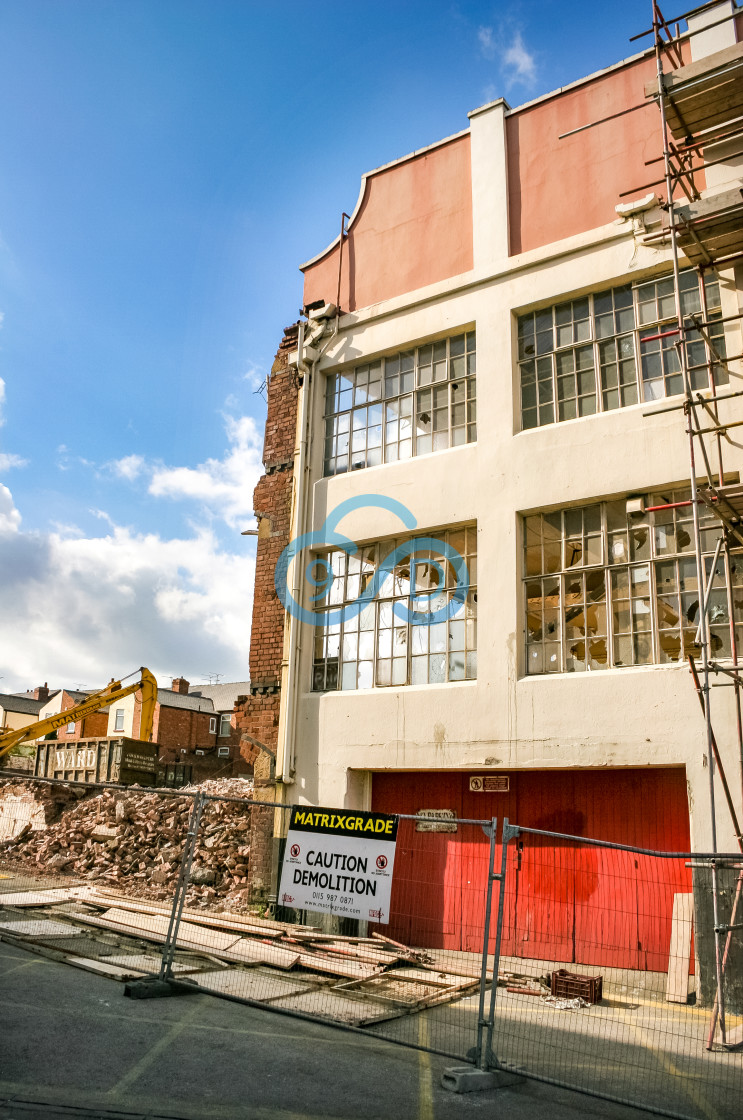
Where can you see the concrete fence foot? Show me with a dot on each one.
(467, 1079)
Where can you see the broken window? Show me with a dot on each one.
(613, 349)
(412, 403)
(606, 587)
(380, 646)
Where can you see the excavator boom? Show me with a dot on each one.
(93, 703)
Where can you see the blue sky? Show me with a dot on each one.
(165, 166)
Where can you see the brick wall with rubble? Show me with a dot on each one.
(258, 713)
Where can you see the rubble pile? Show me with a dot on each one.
(134, 840)
(223, 787)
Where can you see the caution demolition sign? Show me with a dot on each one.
(339, 862)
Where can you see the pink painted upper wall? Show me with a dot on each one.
(558, 188)
(414, 227)
(414, 224)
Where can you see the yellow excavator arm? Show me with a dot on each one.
(93, 703)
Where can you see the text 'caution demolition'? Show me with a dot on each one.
(339, 862)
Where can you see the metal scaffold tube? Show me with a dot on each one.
(666, 42)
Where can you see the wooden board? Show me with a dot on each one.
(337, 966)
(677, 987)
(199, 917)
(256, 984)
(261, 924)
(103, 968)
(153, 927)
(40, 928)
(436, 979)
(38, 898)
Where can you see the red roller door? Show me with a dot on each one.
(566, 901)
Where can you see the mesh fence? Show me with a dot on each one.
(70, 853)
(619, 949)
(592, 965)
(135, 882)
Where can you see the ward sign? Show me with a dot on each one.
(339, 862)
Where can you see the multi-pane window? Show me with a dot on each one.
(609, 585)
(380, 645)
(412, 403)
(615, 348)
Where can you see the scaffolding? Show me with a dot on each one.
(700, 105)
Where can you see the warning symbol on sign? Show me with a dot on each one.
(381, 862)
(295, 850)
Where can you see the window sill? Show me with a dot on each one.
(395, 689)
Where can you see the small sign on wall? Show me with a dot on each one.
(490, 783)
(425, 824)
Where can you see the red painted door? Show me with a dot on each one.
(426, 904)
(564, 901)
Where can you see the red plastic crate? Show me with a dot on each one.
(569, 985)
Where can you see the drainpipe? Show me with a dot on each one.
(292, 662)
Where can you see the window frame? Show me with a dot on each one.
(621, 561)
(119, 718)
(212, 725)
(328, 672)
(550, 340)
(225, 721)
(435, 380)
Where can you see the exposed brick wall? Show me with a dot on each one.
(176, 729)
(258, 713)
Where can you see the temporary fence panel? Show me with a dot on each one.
(635, 1044)
(81, 851)
(154, 883)
(361, 975)
(134, 883)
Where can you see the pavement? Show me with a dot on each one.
(73, 1046)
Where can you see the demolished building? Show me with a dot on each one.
(490, 349)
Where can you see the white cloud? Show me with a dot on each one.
(223, 486)
(130, 467)
(486, 40)
(518, 62)
(8, 460)
(10, 518)
(81, 608)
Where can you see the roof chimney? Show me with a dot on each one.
(41, 692)
(180, 684)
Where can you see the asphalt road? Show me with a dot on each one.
(73, 1046)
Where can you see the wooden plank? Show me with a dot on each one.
(256, 984)
(364, 956)
(105, 969)
(436, 979)
(159, 923)
(351, 969)
(39, 898)
(40, 928)
(231, 948)
(198, 917)
(262, 924)
(677, 986)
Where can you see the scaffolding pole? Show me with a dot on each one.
(679, 170)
